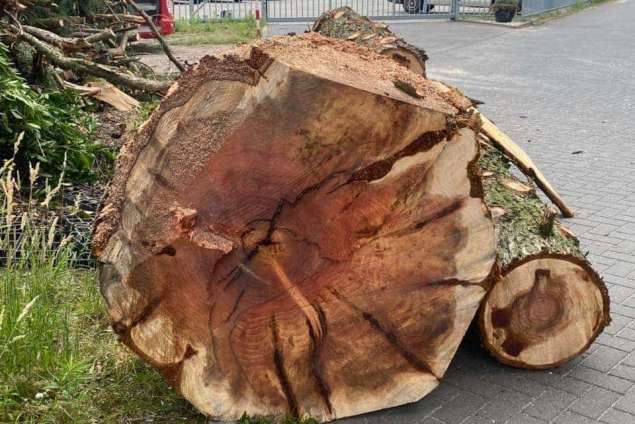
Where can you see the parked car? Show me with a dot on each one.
(159, 11)
(416, 6)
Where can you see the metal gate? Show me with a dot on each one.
(309, 10)
(209, 10)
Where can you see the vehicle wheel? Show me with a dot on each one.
(412, 6)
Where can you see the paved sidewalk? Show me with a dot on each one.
(566, 92)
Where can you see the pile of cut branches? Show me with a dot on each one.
(70, 43)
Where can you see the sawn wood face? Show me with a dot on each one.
(295, 245)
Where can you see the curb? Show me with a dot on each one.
(513, 25)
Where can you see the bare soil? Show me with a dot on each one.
(190, 55)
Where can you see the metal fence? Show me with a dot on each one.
(290, 10)
(308, 10)
(206, 10)
(535, 7)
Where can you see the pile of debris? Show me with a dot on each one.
(88, 52)
(306, 227)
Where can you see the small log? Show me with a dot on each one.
(68, 44)
(110, 94)
(346, 24)
(546, 304)
(121, 17)
(59, 22)
(285, 237)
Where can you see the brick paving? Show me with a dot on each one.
(565, 91)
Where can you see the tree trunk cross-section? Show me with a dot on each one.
(292, 234)
(545, 310)
(346, 24)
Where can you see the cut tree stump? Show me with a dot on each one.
(547, 304)
(290, 233)
(346, 24)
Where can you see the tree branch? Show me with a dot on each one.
(83, 66)
(157, 34)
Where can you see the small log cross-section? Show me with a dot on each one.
(346, 24)
(545, 310)
(547, 304)
(291, 234)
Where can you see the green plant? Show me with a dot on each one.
(245, 419)
(51, 127)
(506, 5)
(59, 360)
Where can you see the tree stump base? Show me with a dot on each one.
(294, 233)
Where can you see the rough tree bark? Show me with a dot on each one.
(547, 304)
(290, 233)
(345, 23)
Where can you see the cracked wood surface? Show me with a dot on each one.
(545, 310)
(291, 235)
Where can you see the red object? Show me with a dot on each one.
(164, 21)
(257, 14)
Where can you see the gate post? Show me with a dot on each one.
(454, 13)
(263, 10)
(191, 10)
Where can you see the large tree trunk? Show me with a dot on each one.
(291, 233)
(346, 24)
(547, 304)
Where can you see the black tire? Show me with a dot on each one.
(412, 6)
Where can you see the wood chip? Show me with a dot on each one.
(566, 232)
(497, 212)
(517, 186)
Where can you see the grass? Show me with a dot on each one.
(225, 31)
(59, 359)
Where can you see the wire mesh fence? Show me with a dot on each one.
(61, 225)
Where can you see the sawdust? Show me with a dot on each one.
(348, 63)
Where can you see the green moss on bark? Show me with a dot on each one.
(527, 226)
